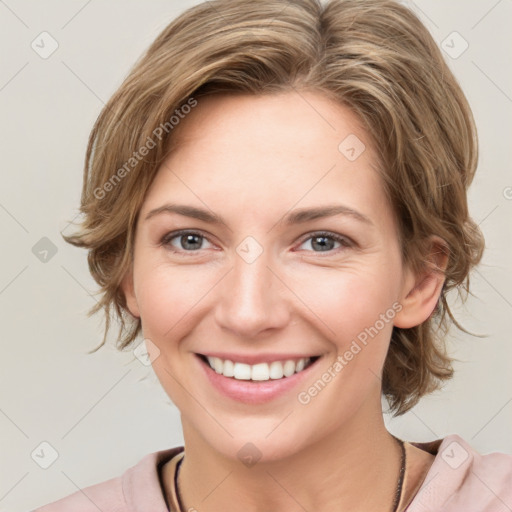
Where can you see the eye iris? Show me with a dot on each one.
(188, 241)
(322, 243)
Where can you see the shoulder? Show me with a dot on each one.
(137, 487)
(460, 478)
(103, 496)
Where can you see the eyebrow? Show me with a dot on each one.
(298, 216)
(187, 211)
(309, 214)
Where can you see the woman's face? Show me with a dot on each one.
(267, 237)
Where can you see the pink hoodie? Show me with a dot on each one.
(459, 480)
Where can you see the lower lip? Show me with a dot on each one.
(253, 392)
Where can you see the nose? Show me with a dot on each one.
(252, 299)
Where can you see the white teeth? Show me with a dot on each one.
(242, 371)
(229, 368)
(218, 365)
(289, 368)
(276, 370)
(260, 371)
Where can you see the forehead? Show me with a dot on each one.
(302, 121)
(270, 152)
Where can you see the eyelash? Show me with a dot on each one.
(344, 241)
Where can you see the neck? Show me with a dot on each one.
(332, 474)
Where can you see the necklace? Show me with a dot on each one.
(180, 506)
(396, 500)
(399, 487)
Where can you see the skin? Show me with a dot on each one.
(252, 160)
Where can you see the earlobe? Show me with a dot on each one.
(128, 288)
(421, 291)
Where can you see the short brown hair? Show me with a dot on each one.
(373, 56)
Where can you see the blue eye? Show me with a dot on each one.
(326, 242)
(188, 241)
(193, 241)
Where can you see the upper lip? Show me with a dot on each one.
(257, 358)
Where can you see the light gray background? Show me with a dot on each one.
(103, 412)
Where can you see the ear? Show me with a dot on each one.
(421, 291)
(128, 288)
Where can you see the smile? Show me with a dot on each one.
(258, 378)
(261, 371)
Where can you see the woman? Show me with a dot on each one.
(275, 199)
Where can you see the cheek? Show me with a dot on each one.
(355, 313)
(349, 301)
(167, 297)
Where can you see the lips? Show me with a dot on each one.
(260, 371)
(243, 388)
